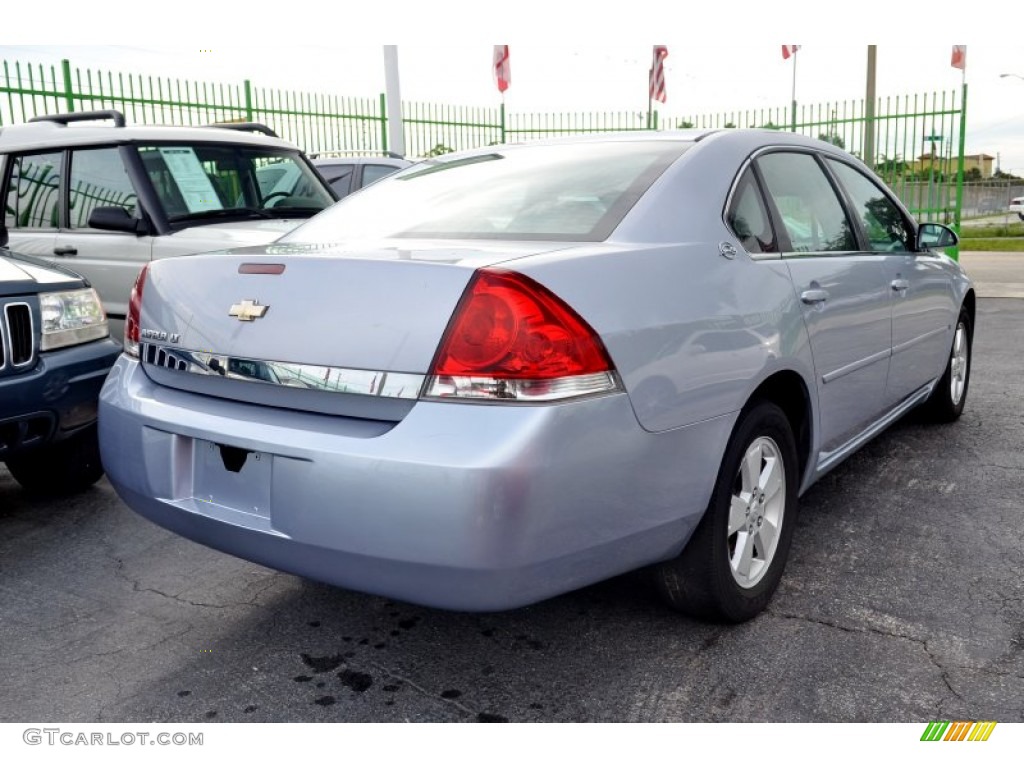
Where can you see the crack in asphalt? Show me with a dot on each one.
(89, 656)
(416, 686)
(135, 583)
(875, 631)
(116, 700)
(944, 669)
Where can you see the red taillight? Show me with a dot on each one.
(511, 338)
(131, 323)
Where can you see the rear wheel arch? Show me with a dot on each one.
(788, 390)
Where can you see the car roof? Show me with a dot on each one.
(740, 139)
(45, 133)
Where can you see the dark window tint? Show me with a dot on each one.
(811, 212)
(33, 200)
(98, 178)
(748, 218)
(338, 176)
(883, 222)
(372, 173)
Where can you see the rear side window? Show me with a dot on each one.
(812, 215)
(372, 172)
(98, 178)
(338, 176)
(33, 198)
(748, 218)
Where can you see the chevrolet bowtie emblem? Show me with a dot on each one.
(248, 310)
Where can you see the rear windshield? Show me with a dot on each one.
(554, 192)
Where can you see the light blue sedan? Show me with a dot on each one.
(500, 375)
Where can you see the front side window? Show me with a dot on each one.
(33, 198)
(884, 224)
(197, 181)
(552, 192)
(98, 178)
(811, 212)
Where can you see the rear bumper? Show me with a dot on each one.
(56, 399)
(459, 506)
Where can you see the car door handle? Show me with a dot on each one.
(900, 285)
(814, 296)
(65, 250)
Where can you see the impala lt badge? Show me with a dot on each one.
(149, 333)
(248, 310)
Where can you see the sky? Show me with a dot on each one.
(713, 65)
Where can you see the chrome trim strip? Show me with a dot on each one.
(856, 366)
(404, 386)
(824, 254)
(829, 460)
(31, 333)
(917, 340)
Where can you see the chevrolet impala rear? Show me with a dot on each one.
(500, 375)
(408, 415)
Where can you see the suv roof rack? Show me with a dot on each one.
(257, 127)
(77, 117)
(356, 153)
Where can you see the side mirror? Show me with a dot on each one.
(935, 236)
(116, 219)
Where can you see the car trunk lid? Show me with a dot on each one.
(329, 326)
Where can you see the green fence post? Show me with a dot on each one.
(248, 101)
(960, 168)
(65, 66)
(503, 121)
(384, 122)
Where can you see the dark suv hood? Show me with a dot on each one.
(21, 275)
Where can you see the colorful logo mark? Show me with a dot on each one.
(958, 730)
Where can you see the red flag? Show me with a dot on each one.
(789, 50)
(502, 68)
(959, 58)
(657, 74)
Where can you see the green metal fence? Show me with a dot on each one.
(915, 142)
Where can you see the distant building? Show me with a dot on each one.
(982, 162)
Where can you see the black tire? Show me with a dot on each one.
(702, 581)
(947, 401)
(62, 468)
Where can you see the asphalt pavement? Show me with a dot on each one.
(903, 601)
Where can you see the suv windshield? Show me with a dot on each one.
(550, 192)
(197, 181)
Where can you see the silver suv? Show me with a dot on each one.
(88, 192)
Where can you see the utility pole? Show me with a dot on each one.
(396, 128)
(869, 110)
